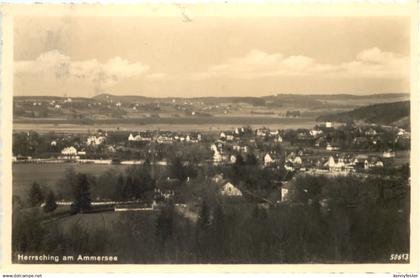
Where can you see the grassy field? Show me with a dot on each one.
(25, 174)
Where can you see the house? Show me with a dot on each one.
(289, 166)
(69, 151)
(315, 132)
(218, 178)
(217, 156)
(94, 141)
(331, 148)
(328, 124)
(286, 191)
(370, 132)
(229, 190)
(378, 164)
(297, 160)
(240, 148)
(229, 137)
(388, 154)
(164, 139)
(278, 139)
(131, 137)
(139, 138)
(262, 132)
(268, 160)
(232, 159)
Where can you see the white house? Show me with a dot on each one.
(93, 140)
(331, 148)
(315, 132)
(297, 160)
(228, 189)
(217, 156)
(388, 154)
(230, 137)
(268, 159)
(286, 190)
(69, 151)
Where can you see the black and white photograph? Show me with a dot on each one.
(199, 138)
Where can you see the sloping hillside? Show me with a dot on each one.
(394, 113)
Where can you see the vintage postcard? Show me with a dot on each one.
(210, 137)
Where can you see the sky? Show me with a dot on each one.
(210, 56)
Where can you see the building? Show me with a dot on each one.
(94, 141)
(315, 132)
(388, 154)
(331, 148)
(268, 160)
(217, 156)
(69, 151)
(229, 190)
(286, 191)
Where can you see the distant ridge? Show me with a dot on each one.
(267, 97)
(393, 113)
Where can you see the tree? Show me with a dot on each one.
(28, 232)
(164, 225)
(251, 159)
(36, 197)
(204, 216)
(177, 169)
(219, 232)
(81, 195)
(50, 204)
(119, 188)
(66, 185)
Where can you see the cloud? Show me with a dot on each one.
(156, 76)
(58, 66)
(369, 63)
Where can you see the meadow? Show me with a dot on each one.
(24, 174)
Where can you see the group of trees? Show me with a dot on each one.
(38, 196)
(366, 220)
(34, 144)
(247, 171)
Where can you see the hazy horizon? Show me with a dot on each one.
(187, 97)
(210, 56)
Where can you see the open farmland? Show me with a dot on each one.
(24, 174)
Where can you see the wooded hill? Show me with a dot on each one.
(394, 113)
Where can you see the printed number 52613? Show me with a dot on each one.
(399, 257)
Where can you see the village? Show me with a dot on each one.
(170, 178)
(328, 149)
